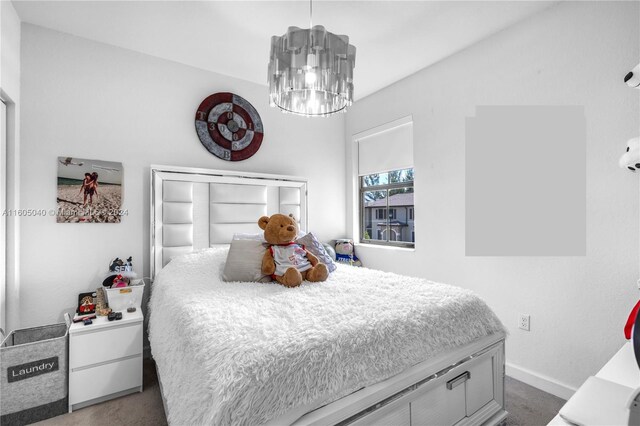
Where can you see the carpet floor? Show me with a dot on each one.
(527, 406)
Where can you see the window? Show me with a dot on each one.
(390, 196)
(385, 181)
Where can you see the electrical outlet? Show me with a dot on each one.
(523, 322)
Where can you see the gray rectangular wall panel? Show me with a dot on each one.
(526, 181)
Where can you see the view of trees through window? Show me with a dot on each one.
(387, 205)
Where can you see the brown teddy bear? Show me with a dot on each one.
(287, 262)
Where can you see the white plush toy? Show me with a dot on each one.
(633, 77)
(631, 158)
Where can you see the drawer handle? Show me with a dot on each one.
(458, 380)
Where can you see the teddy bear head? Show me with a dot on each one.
(279, 228)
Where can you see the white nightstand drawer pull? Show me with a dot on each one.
(458, 380)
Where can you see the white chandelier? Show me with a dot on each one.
(311, 71)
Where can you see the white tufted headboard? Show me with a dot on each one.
(198, 208)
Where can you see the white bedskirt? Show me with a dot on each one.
(247, 353)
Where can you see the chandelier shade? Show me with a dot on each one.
(311, 71)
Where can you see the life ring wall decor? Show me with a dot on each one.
(229, 126)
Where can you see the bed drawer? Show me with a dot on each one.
(459, 394)
(479, 388)
(440, 406)
(451, 398)
(397, 415)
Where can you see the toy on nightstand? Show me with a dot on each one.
(86, 304)
(117, 265)
(120, 273)
(121, 290)
(345, 252)
(119, 282)
(101, 304)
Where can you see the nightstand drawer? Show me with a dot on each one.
(112, 343)
(103, 380)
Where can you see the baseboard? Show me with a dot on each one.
(539, 381)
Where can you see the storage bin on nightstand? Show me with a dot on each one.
(105, 359)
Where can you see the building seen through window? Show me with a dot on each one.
(387, 208)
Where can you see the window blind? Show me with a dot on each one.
(385, 148)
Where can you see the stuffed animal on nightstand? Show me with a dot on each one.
(286, 261)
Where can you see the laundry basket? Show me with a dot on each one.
(34, 374)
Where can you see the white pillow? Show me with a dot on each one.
(244, 261)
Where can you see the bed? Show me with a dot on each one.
(365, 347)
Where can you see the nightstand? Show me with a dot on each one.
(621, 369)
(105, 359)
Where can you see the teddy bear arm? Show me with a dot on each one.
(312, 258)
(268, 264)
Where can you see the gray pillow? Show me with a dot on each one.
(312, 244)
(244, 261)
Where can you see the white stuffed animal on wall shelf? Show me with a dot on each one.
(633, 77)
(631, 158)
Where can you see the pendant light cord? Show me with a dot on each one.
(310, 14)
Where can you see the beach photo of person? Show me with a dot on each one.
(89, 191)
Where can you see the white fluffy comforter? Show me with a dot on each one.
(246, 353)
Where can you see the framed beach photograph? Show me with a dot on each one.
(89, 191)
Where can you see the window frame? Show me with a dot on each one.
(386, 187)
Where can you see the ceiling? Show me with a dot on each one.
(393, 38)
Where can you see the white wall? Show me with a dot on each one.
(90, 100)
(572, 54)
(9, 49)
(10, 94)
